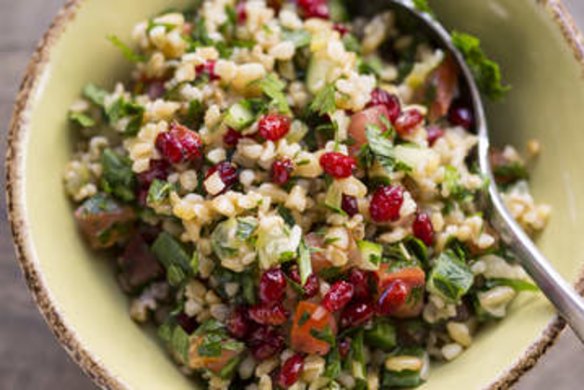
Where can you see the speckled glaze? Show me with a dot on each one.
(542, 54)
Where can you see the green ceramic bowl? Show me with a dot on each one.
(541, 53)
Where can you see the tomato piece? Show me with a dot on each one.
(212, 363)
(414, 280)
(309, 318)
(360, 121)
(445, 81)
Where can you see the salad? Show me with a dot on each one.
(287, 191)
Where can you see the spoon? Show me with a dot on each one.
(568, 303)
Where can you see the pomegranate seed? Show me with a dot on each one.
(380, 97)
(408, 121)
(350, 205)
(311, 288)
(314, 9)
(337, 164)
(341, 29)
(386, 203)
(461, 116)
(264, 342)
(290, 371)
(394, 296)
(434, 134)
(207, 68)
(281, 171)
(179, 144)
(338, 296)
(272, 285)
(189, 324)
(423, 228)
(360, 281)
(274, 126)
(227, 172)
(269, 314)
(356, 314)
(231, 138)
(158, 169)
(238, 323)
(241, 12)
(344, 347)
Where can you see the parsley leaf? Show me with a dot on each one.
(180, 343)
(124, 109)
(450, 277)
(81, 119)
(423, 6)
(171, 254)
(324, 101)
(304, 262)
(117, 178)
(95, 94)
(381, 147)
(486, 72)
(159, 191)
(273, 88)
(300, 38)
(130, 54)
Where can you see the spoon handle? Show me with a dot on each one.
(567, 301)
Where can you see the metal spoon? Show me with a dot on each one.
(569, 304)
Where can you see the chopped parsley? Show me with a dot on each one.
(81, 119)
(304, 262)
(124, 109)
(450, 277)
(117, 178)
(274, 88)
(423, 6)
(130, 54)
(324, 101)
(486, 72)
(381, 147)
(95, 94)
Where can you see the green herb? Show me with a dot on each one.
(330, 274)
(180, 343)
(450, 277)
(117, 176)
(159, 191)
(486, 72)
(452, 184)
(372, 66)
(124, 109)
(325, 335)
(130, 54)
(286, 215)
(303, 318)
(195, 114)
(382, 335)
(333, 364)
(324, 101)
(516, 284)
(274, 88)
(352, 43)
(173, 257)
(423, 6)
(304, 262)
(300, 38)
(358, 356)
(246, 227)
(210, 345)
(249, 290)
(401, 379)
(81, 119)
(229, 369)
(381, 147)
(510, 173)
(94, 94)
(195, 262)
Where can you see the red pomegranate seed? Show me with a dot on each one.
(434, 134)
(158, 169)
(227, 172)
(341, 29)
(350, 205)
(290, 371)
(461, 116)
(314, 9)
(238, 323)
(266, 314)
(338, 296)
(344, 347)
(386, 203)
(360, 281)
(380, 97)
(394, 296)
(272, 285)
(337, 164)
(311, 287)
(231, 138)
(207, 68)
(264, 342)
(281, 171)
(241, 12)
(423, 228)
(179, 144)
(274, 126)
(408, 121)
(189, 324)
(356, 314)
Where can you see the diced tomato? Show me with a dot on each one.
(444, 80)
(414, 279)
(318, 259)
(212, 363)
(310, 318)
(360, 121)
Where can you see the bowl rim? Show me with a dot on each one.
(28, 261)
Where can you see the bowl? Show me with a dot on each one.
(541, 53)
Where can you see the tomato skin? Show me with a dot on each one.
(301, 338)
(414, 279)
(359, 123)
(445, 81)
(212, 363)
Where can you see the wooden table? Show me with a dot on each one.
(30, 358)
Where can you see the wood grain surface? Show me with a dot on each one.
(30, 358)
